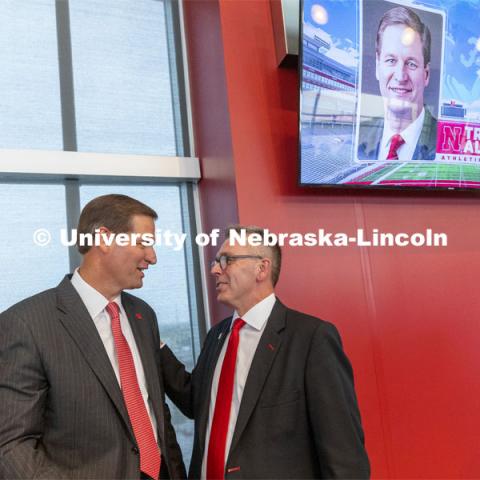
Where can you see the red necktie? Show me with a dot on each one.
(395, 143)
(142, 426)
(223, 404)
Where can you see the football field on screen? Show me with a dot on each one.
(422, 175)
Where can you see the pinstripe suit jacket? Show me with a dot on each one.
(62, 413)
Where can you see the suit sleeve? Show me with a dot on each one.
(176, 458)
(332, 408)
(177, 382)
(176, 464)
(182, 387)
(23, 393)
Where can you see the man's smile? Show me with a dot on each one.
(400, 90)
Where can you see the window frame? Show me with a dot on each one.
(73, 168)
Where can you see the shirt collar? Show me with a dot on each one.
(93, 299)
(410, 135)
(258, 315)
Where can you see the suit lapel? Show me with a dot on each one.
(426, 145)
(77, 321)
(369, 139)
(261, 364)
(215, 350)
(142, 334)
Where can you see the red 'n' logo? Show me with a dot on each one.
(452, 136)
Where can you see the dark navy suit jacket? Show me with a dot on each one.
(298, 417)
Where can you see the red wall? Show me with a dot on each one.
(211, 125)
(409, 317)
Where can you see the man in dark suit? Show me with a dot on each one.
(371, 132)
(408, 131)
(81, 393)
(272, 393)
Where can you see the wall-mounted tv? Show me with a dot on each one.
(390, 93)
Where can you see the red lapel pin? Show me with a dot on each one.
(233, 469)
(271, 347)
(138, 316)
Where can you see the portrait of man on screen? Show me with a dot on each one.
(402, 127)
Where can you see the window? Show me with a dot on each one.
(30, 111)
(94, 103)
(121, 77)
(22, 213)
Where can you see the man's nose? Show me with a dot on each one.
(215, 270)
(150, 256)
(401, 72)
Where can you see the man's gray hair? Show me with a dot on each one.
(274, 250)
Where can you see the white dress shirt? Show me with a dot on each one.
(255, 319)
(96, 304)
(411, 135)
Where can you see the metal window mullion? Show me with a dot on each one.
(72, 198)
(65, 70)
(69, 129)
(177, 77)
(194, 277)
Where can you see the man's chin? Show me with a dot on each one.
(222, 298)
(403, 112)
(134, 285)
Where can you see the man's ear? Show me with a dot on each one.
(377, 60)
(264, 269)
(104, 239)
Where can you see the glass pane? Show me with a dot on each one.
(28, 268)
(30, 105)
(165, 284)
(121, 75)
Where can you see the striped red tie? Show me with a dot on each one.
(142, 426)
(395, 143)
(223, 404)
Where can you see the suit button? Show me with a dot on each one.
(135, 450)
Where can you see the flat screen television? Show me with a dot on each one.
(390, 94)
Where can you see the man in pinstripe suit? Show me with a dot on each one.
(64, 411)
